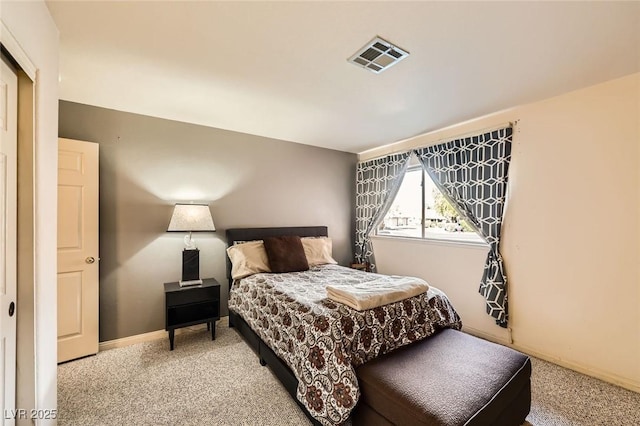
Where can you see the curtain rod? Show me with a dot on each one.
(448, 138)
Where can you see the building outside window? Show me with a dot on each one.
(421, 211)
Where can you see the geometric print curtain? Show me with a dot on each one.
(377, 184)
(472, 174)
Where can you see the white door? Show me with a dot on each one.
(8, 224)
(77, 249)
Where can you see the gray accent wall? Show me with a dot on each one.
(148, 164)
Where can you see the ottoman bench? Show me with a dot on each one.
(449, 379)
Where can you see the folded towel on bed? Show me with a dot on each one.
(372, 294)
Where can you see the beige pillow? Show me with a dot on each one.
(318, 250)
(248, 259)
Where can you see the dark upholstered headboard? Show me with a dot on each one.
(248, 234)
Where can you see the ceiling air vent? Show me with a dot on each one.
(378, 55)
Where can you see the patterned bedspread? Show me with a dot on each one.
(323, 341)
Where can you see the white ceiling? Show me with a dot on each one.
(279, 69)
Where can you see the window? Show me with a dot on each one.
(421, 211)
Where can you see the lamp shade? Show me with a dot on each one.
(191, 218)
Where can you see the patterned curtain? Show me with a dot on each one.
(377, 183)
(472, 174)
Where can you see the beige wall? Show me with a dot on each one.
(571, 233)
(32, 26)
(147, 164)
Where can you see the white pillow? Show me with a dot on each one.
(248, 259)
(318, 250)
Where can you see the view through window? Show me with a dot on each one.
(421, 211)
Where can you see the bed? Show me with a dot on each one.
(313, 344)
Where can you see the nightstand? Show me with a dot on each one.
(366, 266)
(185, 306)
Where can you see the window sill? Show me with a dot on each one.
(476, 245)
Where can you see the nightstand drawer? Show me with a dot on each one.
(195, 294)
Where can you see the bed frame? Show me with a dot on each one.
(264, 352)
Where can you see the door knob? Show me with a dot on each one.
(12, 308)
(90, 260)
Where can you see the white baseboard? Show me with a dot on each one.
(485, 336)
(145, 337)
(606, 376)
(624, 382)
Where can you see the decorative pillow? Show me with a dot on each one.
(248, 259)
(318, 250)
(286, 254)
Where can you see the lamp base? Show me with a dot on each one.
(190, 265)
(190, 283)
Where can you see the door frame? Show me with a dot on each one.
(26, 232)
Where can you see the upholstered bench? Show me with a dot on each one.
(451, 378)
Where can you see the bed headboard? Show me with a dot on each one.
(248, 234)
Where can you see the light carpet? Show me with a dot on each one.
(202, 382)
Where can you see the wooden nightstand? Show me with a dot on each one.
(361, 266)
(185, 306)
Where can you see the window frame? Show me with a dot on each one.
(481, 243)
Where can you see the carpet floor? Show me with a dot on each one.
(202, 382)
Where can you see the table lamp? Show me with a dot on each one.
(191, 218)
